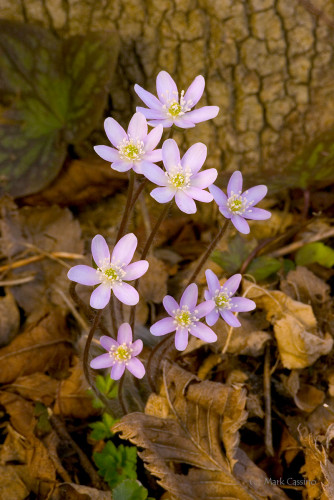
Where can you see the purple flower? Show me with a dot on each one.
(121, 354)
(171, 108)
(182, 178)
(185, 318)
(239, 206)
(133, 149)
(112, 272)
(225, 304)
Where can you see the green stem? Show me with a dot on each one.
(208, 252)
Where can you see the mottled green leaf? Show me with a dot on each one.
(54, 92)
(315, 252)
(102, 428)
(130, 489)
(263, 267)
(116, 463)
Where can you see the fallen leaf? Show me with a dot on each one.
(71, 491)
(9, 319)
(36, 387)
(306, 397)
(153, 285)
(315, 456)
(12, 485)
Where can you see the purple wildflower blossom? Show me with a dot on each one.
(185, 318)
(239, 206)
(121, 354)
(171, 108)
(134, 149)
(112, 271)
(225, 304)
(182, 178)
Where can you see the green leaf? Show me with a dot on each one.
(263, 267)
(315, 252)
(102, 430)
(129, 490)
(238, 251)
(55, 92)
(116, 463)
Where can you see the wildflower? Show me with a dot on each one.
(171, 108)
(112, 272)
(134, 149)
(185, 318)
(121, 354)
(225, 304)
(181, 178)
(239, 206)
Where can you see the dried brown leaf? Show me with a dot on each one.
(315, 458)
(71, 491)
(153, 285)
(13, 484)
(202, 414)
(37, 387)
(9, 319)
(306, 397)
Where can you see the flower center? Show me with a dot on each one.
(131, 150)
(179, 178)
(110, 274)
(237, 204)
(120, 354)
(222, 299)
(174, 108)
(184, 318)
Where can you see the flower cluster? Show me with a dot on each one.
(180, 179)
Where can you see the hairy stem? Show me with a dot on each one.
(126, 213)
(208, 252)
(87, 346)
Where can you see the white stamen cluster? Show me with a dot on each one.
(238, 204)
(184, 318)
(131, 149)
(222, 299)
(174, 108)
(179, 177)
(111, 273)
(121, 354)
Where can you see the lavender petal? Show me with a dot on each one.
(135, 270)
(218, 195)
(225, 211)
(229, 317)
(170, 154)
(235, 183)
(124, 249)
(155, 174)
(100, 250)
(149, 99)
(152, 114)
(126, 293)
(185, 203)
(204, 179)
(232, 284)
(204, 308)
(195, 90)
(136, 367)
(166, 87)
(190, 296)
(202, 114)
(181, 339)
(212, 317)
(256, 193)
(198, 194)
(163, 194)
(242, 304)
(114, 131)
(257, 214)
(117, 371)
(103, 361)
(124, 334)
(122, 166)
(153, 156)
(107, 153)
(182, 122)
(212, 281)
(100, 297)
(137, 347)
(153, 138)
(137, 128)
(107, 342)
(84, 275)
(166, 122)
(170, 304)
(203, 332)
(163, 326)
(194, 157)
(240, 224)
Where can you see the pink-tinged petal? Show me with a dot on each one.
(170, 154)
(235, 183)
(84, 275)
(107, 343)
(182, 122)
(257, 214)
(229, 317)
(190, 296)
(153, 156)
(107, 153)
(114, 131)
(136, 367)
(103, 361)
(166, 87)
(225, 211)
(117, 371)
(185, 203)
(126, 293)
(212, 281)
(256, 193)
(194, 157)
(212, 317)
(198, 194)
(240, 224)
(137, 347)
(232, 284)
(124, 334)
(242, 304)
(170, 304)
(149, 99)
(135, 270)
(100, 250)
(137, 128)
(218, 195)
(155, 174)
(204, 308)
(163, 194)
(100, 297)
(202, 114)
(203, 332)
(181, 339)
(153, 138)
(124, 249)
(195, 90)
(208, 295)
(166, 123)
(122, 166)
(163, 326)
(204, 179)
(152, 114)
